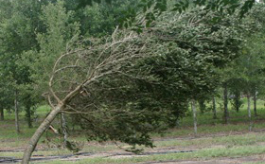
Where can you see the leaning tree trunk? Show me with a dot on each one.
(16, 112)
(45, 124)
(194, 116)
(64, 128)
(226, 114)
(2, 115)
(38, 133)
(214, 108)
(249, 112)
(255, 103)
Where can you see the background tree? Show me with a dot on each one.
(17, 34)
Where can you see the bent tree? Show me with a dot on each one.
(76, 70)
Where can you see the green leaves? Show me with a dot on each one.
(153, 8)
(181, 5)
(246, 7)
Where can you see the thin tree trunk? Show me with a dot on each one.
(202, 106)
(194, 116)
(214, 108)
(255, 103)
(237, 100)
(28, 116)
(38, 133)
(64, 128)
(2, 115)
(249, 112)
(226, 114)
(16, 112)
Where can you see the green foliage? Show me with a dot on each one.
(101, 19)
(60, 35)
(246, 73)
(235, 101)
(18, 24)
(152, 93)
(152, 8)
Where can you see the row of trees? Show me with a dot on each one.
(122, 76)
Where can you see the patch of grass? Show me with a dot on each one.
(12, 154)
(8, 130)
(206, 130)
(232, 140)
(237, 151)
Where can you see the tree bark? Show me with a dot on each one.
(194, 117)
(64, 128)
(38, 133)
(214, 108)
(226, 114)
(16, 112)
(249, 112)
(255, 103)
(2, 115)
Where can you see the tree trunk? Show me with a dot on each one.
(214, 108)
(226, 114)
(28, 116)
(64, 128)
(194, 116)
(38, 133)
(2, 115)
(16, 112)
(202, 106)
(237, 100)
(45, 124)
(249, 112)
(255, 103)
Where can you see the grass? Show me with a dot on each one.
(8, 130)
(197, 155)
(210, 130)
(232, 140)
(207, 148)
